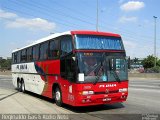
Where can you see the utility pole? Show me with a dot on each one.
(155, 18)
(97, 16)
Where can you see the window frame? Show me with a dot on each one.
(61, 38)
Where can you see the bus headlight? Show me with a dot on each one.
(123, 90)
(87, 92)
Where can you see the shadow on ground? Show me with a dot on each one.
(80, 109)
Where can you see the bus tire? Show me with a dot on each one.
(58, 96)
(19, 85)
(23, 87)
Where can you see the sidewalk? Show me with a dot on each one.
(5, 73)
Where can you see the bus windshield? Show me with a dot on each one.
(98, 42)
(103, 67)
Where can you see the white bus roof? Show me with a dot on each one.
(44, 39)
(68, 33)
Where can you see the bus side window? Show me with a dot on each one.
(23, 55)
(44, 51)
(53, 49)
(18, 56)
(68, 68)
(36, 52)
(14, 59)
(66, 45)
(29, 54)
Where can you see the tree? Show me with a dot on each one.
(5, 64)
(148, 62)
(135, 60)
(158, 62)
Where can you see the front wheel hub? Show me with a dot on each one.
(58, 96)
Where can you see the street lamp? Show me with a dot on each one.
(155, 18)
(97, 16)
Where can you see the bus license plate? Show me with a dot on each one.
(106, 99)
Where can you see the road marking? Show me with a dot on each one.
(147, 90)
(8, 96)
(149, 86)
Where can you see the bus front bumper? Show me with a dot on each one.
(88, 100)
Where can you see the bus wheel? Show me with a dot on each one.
(19, 86)
(58, 96)
(23, 86)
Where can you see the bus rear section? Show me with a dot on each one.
(79, 68)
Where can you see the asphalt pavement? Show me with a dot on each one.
(143, 99)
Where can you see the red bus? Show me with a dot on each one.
(79, 68)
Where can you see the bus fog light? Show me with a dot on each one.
(83, 101)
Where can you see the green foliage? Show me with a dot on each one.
(148, 62)
(135, 60)
(156, 69)
(158, 62)
(5, 64)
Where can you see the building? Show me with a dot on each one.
(9, 58)
(136, 63)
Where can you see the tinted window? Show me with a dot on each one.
(66, 45)
(23, 55)
(29, 54)
(98, 42)
(53, 49)
(36, 52)
(68, 68)
(18, 56)
(14, 58)
(44, 51)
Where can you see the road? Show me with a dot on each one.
(144, 98)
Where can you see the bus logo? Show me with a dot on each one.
(108, 85)
(107, 91)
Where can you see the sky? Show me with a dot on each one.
(24, 21)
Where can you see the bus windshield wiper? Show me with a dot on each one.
(116, 76)
(97, 71)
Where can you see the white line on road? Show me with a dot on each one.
(146, 90)
(149, 86)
